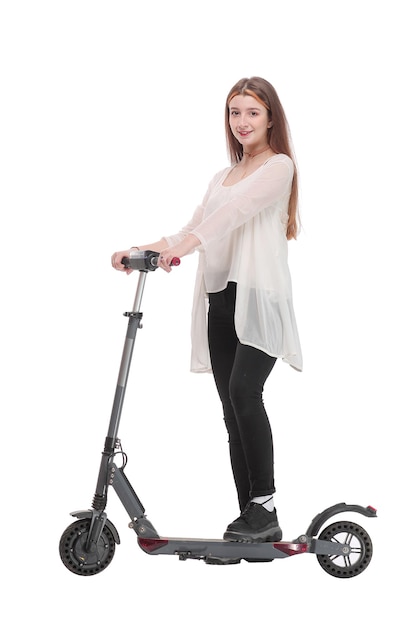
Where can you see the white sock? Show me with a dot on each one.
(266, 501)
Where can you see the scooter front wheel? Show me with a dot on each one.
(360, 553)
(76, 558)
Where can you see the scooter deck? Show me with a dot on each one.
(209, 548)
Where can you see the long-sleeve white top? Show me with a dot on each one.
(242, 230)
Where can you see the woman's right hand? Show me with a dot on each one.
(116, 261)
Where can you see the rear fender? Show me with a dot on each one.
(342, 507)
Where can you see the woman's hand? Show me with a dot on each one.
(187, 245)
(116, 261)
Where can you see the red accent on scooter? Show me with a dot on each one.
(150, 545)
(291, 548)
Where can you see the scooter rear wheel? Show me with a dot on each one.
(347, 565)
(76, 558)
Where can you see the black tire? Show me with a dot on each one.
(353, 564)
(76, 559)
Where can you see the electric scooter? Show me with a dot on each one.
(343, 549)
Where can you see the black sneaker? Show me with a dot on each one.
(256, 524)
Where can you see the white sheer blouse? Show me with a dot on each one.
(242, 229)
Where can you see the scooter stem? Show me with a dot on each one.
(110, 443)
(139, 292)
(135, 318)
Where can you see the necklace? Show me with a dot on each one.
(251, 155)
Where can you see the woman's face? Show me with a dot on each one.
(249, 122)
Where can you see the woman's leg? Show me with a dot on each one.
(223, 343)
(258, 522)
(250, 370)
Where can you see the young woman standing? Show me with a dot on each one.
(243, 317)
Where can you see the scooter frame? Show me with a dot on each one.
(87, 546)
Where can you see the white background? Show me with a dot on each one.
(111, 127)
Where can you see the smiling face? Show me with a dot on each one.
(249, 122)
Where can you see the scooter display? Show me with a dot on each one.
(87, 547)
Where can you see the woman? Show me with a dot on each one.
(241, 230)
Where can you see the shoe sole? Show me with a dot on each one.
(262, 537)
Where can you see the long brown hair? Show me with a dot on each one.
(278, 135)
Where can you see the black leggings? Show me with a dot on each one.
(240, 373)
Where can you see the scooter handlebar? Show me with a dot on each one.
(145, 260)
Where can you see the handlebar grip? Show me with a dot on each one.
(145, 260)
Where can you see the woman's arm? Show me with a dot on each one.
(188, 244)
(167, 253)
